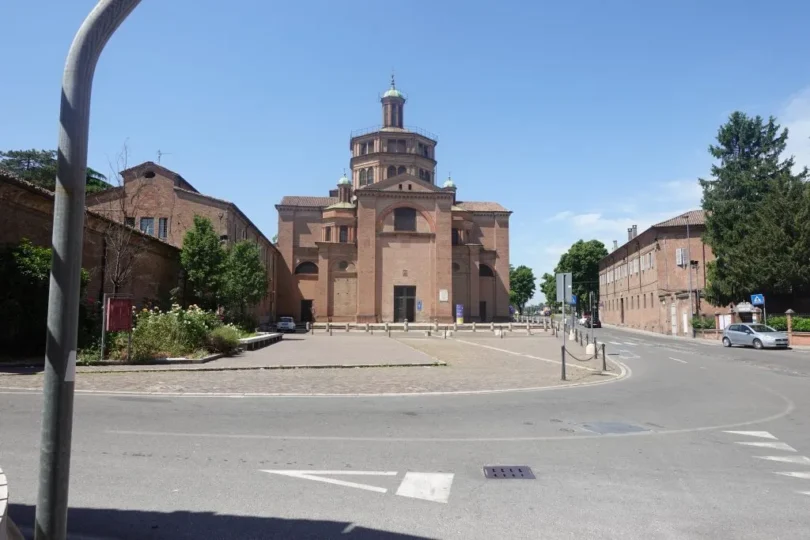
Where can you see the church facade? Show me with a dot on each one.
(388, 244)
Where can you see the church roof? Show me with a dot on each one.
(297, 200)
(398, 179)
(480, 206)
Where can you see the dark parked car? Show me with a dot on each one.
(593, 322)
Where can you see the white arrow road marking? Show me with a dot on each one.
(428, 486)
(316, 475)
(679, 360)
(802, 475)
(801, 460)
(774, 445)
(761, 434)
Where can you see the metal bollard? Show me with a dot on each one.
(406, 325)
(604, 358)
(366, 327)
(562, 372)
(455, 327)
(492, 326)
(445, 332)
(510, 326)
(473, 326)
(347, 327)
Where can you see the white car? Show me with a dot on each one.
(285, 324)
(582, 320)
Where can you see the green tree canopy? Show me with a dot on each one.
(757, 213)
(246, 277)
(582, 260)
(39, 167)
(204, 262)
(548, 286)
(521, 284)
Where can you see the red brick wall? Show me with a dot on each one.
(28, 213)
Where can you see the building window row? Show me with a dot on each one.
(147, 226)
(342, 234)
(631, 302)
(393, 171)
(636, 265)
(425, 175)
(366, 176)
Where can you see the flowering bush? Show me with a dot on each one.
(224, 339)
(173, 333)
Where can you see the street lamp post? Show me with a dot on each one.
(63, 297)
(689, 268)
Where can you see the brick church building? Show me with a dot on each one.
(388, 244)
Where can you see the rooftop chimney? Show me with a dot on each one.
(635, 231)
(615, 245)
(629, 233)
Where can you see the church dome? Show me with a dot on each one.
(343, 180)
(393, 92)
(449, 183)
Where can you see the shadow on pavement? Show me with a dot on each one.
(109, 524)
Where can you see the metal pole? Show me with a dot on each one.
(689, 269)
(63, 298)
(103, 324)
(604, 358)
(562, 366)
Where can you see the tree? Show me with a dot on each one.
(582, 260)
(521, 283)
(756, 211)
(548, 286)
(39, 167)
(204, 262)
(246, 277)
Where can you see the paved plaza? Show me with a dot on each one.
(466, 362)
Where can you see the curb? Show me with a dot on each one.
(437, 363)
(4, 519)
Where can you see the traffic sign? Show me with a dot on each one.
(573, 299)
(418, 305)
(758, 299)
(564, 282)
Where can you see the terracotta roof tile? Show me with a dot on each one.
(296, 200)
(480, 206)
(696, 217)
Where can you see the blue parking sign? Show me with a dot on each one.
(418, 305)
(758, 299)
(573, 299)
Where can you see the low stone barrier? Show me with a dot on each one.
(261, 340)
(433, 327)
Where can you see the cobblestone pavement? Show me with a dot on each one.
(476, 362)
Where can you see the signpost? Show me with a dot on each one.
(564, 293)
(759, 300)
(116, 317)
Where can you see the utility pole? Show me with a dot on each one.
(689, 269)
(63, 297)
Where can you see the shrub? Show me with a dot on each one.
(703, 323)
(779, 323)
(224, 339)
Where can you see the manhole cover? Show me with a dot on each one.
(605, 428)
(508, 472)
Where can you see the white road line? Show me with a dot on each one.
(773, 445)
(679, 360)
(428, 486)
(802, 475)
(527, 355)
(803, 492)
(800, 460)
(315, 475)
(630, 343)
(614, 342)
(760, 434)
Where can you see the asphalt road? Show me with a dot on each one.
(646, 457)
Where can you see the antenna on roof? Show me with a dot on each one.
(161, 154)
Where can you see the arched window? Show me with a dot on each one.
(404, 219)
(456, 267)
(485, 271)
(362, 177)
(370, 177)
(401, 170)
(306, 268)
(392, 171)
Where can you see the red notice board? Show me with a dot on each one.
(119, 314)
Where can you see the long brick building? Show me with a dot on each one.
(161, 203)
(645, 282)
(388, 244)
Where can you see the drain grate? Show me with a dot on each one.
(508, 472)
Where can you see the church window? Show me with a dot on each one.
(306, 268)
(456, 267)
(343, 265)
(327, 234)
(485, 271)
(456, 239)
(370, 176)
(401, 170)
(405, 219)
(363, 177)
(410, 187)
(392, 171)
(344, 234)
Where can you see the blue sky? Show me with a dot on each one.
(582, 118)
